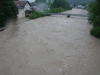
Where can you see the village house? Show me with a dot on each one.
(23, 5)
(34, 5)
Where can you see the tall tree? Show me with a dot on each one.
(49, 3)
(40, 1)
(8, 10)
(80, 1)
(94, 17)
(94, 13)
(60, 3)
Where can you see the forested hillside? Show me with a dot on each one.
(80, 1)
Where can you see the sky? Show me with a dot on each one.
(31, 0)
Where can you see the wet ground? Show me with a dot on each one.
(72, 13)
(52, 45)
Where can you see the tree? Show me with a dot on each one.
(94, 13)
(60, 3)
(94, 17)
(49, 3)
(91, 11)
(40, 1)
(80, 1)
(8, 10)
(83, 4)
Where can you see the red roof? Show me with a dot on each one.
(20, 3)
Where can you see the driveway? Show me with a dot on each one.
(52, 45)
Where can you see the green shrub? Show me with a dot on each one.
(60, 3)
(90, 17)
(95, 31)
(70, 8)
(8, 11)
(91, 10)
(61, 9)
(96, 22)
(94, 18)
(36, 14)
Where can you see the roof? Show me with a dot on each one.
(33, 4)
(21, 3)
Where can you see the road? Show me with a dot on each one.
(51, 45)
(72, 13)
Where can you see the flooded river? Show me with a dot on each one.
(52, 45)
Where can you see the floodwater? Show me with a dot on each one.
(52, 45)
(75, 11)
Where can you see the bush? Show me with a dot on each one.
(94, 18)
(95, 31)
(91, 10)
(70, 8)
(60, 3)
(96, 22)
(90, 17)
(36, 14)
(7, 11)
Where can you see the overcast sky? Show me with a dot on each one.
(31, 0)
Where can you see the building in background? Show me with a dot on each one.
(34, 5)
(23, 4)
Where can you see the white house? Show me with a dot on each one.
(22, 6)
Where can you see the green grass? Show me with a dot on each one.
(36, 14)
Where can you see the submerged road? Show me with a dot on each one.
(74, 12)
(50, 46)
(65, 14)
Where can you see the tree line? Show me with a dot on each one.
(80, 1)
(56, 3)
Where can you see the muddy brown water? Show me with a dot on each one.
(54, 45)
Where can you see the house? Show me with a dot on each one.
(34, 5)
(80, 6)
(23, 5)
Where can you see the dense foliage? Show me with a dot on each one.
(94, 18)
(7, 11)
(40, 1)
(36, 14)
(80, 1)
(70, 1)
(61, 4)
(95, 31)
(91, 11)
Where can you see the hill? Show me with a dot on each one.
(80, 1)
